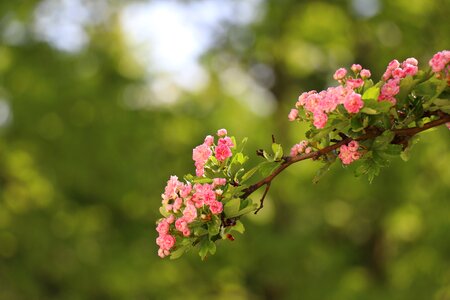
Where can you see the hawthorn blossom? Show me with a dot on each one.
(216, 207)
(293, 114)
(222, 132)
(300, 148)
(340, 74)
(439, 61)
(365, 74)
(165, 243)
(209, 140)
(356, 68)
(200, 155)
(223, 152)
(349, 153)
(354, 103)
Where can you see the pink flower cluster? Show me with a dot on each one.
(394, 73)
(439, 61)
(203, 152)
(349, 153)
(322, 103)
(184, 203)
(325, 102)
(301, 147)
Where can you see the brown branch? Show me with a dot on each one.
(287, 161)
(261, 202)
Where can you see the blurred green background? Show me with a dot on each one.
(101, 101)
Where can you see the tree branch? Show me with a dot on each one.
(287, 161)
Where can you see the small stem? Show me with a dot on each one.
(261, 202)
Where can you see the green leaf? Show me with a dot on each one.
(231, 208)
(238, 227)
(406, 86)
(267, 156)
(371, 93)
(213, 229)
(203, 247)
(249, 174)
(266, 168)
(405, 154)
(383, 140)
(322, 171)
(199, 231)
(373, 107)
(164, 212)
(212, 247)
(179, 252)
(277, 151)
(368, 167)
(201, 180)
(369, 111)
(246, 210)
(356, 124)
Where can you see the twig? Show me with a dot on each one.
(261, 202)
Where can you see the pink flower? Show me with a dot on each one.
(223, 152)
(181, 224)
(185, 190)
(410, 61)
(163, 227)
(389, 90)
(303, 97)
(204, 194)
(221, 132)
(200, 155)
(170, 219)
(353, 146)
(340, 74)
(356, 68)
(226, 141)
(216, 207)
(410, 70)
(293, 114)
(320, 119)
(365, 74)
(177, 204)
(349, 153)
(209, 140)
(398, 73)
(190, 213)
(170, 191)
(299, 148)
(354, 83)
(394, 64)
(165, 242)
(439, 61)
(353, 103)
(219, 181)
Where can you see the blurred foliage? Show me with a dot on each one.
(82, 169)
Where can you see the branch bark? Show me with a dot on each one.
(400, 135)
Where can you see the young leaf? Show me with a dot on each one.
(277, 151)
(266, 168)
(238, 227)
(231, 208)
(371, 93)
(322, 171)
(249, 174)
(204, 247)
(212, 247)
(179, 252)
